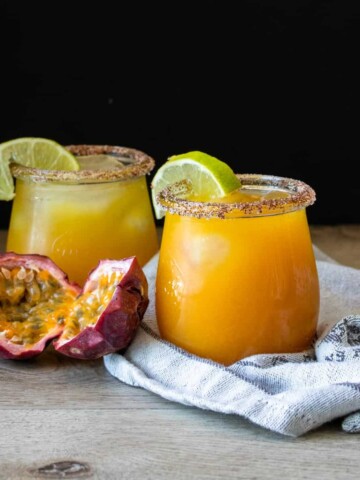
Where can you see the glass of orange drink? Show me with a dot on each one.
(78, 217)
(237, 276)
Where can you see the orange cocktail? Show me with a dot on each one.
(238, 277)
(77, 218)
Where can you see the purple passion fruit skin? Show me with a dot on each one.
(106, 315)
(34, 298)
(39, 305)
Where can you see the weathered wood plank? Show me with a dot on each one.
(54, 381)
(185, 443)
(342, 242)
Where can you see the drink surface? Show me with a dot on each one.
(230, 288)
(77, 225)
(249, 194)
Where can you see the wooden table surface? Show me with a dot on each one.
(62, 418)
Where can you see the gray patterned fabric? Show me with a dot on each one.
(290, 393)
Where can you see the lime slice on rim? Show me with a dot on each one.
(211, 178)
(32, 152)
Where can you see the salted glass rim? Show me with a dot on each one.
(140, 164)
(173, 199)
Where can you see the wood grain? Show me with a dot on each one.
(55, 409)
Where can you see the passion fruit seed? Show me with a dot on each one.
(32, 302)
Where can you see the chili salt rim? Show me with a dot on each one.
(301, 195)
(141, 164)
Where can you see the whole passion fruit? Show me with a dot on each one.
(39, 305)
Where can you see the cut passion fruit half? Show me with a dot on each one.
(105, 316)
(35, 296)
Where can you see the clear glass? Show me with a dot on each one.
(78, 218)
(238, 277)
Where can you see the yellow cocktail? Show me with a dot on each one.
(238, 277)
(77, 218)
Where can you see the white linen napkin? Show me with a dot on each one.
(287, 393)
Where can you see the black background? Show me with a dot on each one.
(267, 86)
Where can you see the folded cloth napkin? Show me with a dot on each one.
(286, 393)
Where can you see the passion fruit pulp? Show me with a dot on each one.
(38, 304)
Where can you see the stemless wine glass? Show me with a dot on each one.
(79, 217)
(238, 276)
